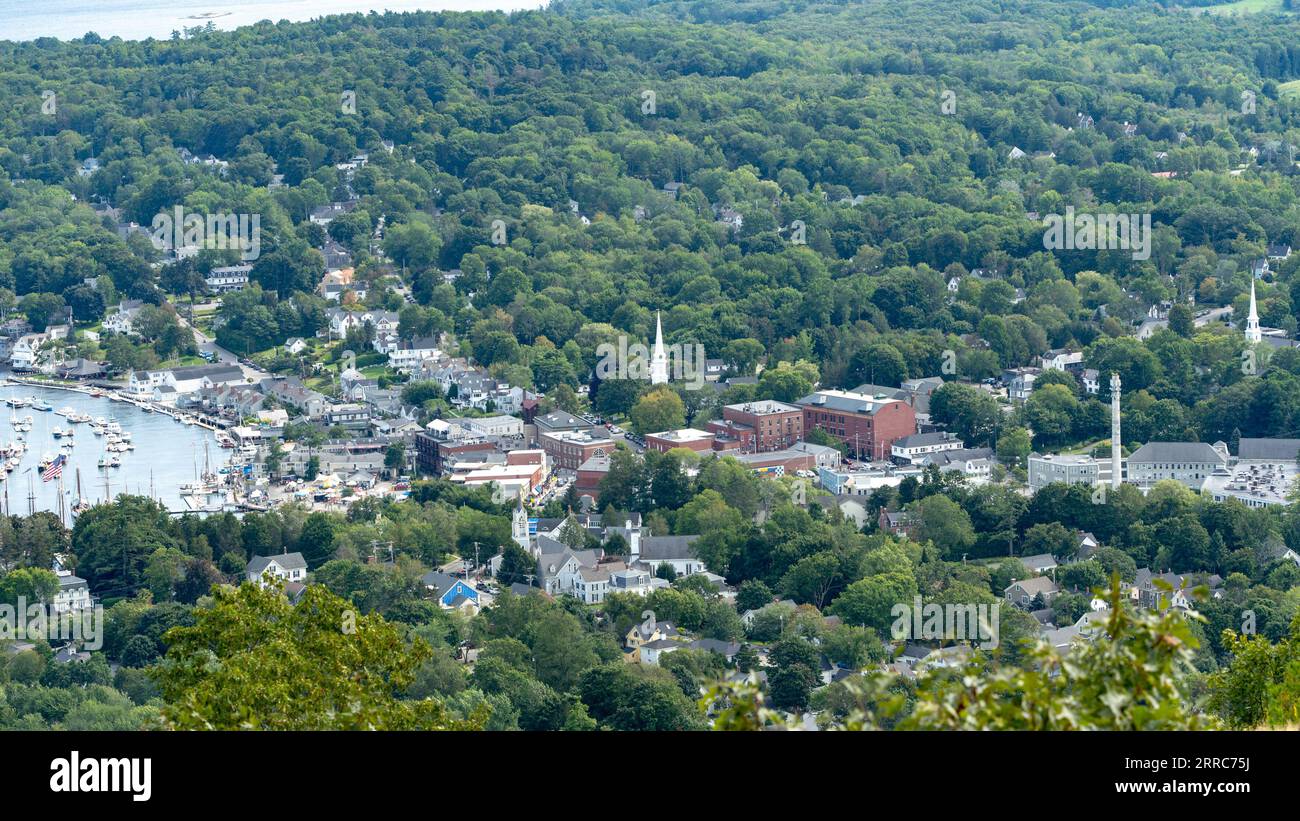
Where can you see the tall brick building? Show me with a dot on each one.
(760, 426)
(569, 449)
(432, 455)
(868, 424)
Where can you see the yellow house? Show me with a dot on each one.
(646, 632)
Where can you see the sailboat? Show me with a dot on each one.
(208, 476)
(81, 505)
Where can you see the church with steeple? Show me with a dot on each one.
(519, 527)
(1253, 332)
(659, 357)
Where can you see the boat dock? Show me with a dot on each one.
(116, 395)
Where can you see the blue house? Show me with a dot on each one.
(451, 591)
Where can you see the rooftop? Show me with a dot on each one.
(922, 439)
(1065, 458)
(1175, 452)
(287, 561)
(1269, 449)
(682, 435)
(847, 401)
(579, 437)
(764, 407)
(1255, 483)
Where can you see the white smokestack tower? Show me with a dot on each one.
(1116, 465)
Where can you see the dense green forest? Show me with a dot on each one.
(765, 108)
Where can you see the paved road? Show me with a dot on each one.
(1213, 316)
(209, 345)
(1149, 326)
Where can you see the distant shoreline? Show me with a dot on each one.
(137, 20)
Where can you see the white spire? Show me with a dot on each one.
(1253, 333)
(1116, 462)
(658, 359)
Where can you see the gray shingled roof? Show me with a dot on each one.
(441, 581)
(944, 458)
(1034, 586)
(663, 548)
(289, 561)
(1279, 450)
(1039, 562)
(723, 648)
(920, 439)
(215, 372)
(1175, 452)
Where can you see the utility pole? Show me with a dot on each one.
(375, 544)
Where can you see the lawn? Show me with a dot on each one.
(183, 361)
(1244, 7)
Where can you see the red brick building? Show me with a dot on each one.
(569, 449)
(760, 426)
(868, 424)
(590, 473)
(433, 454)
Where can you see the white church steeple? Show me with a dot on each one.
(1116, 438)
(1253, 333)
(519, 528)
(658, 358)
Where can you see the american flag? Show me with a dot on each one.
(54, 468)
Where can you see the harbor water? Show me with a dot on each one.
(163, 455)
